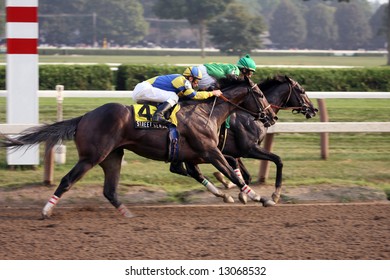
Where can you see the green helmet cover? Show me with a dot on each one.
(247, 62)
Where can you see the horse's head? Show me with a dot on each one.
(300, 100)
(266, 114)
(251, 100)
(286, 93)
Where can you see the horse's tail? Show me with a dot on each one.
(49, 133)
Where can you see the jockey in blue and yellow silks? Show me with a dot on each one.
(169, 88)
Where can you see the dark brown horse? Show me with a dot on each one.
(102, 134)
(246, 134)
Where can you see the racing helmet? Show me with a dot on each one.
(193, 71)
(247, 62)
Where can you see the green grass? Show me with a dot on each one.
(356, 159)
(260, 60)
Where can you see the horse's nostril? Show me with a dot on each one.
(276, 118)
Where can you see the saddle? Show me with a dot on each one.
(143, 113)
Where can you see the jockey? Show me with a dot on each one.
(211, 72)
(169, 88)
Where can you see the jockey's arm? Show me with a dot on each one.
(200, 95)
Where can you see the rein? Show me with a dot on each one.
(254, 114)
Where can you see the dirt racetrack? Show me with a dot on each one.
(198, 232)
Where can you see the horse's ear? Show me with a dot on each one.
(288, 78)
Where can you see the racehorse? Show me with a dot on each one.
(102, 134)
(246, 134)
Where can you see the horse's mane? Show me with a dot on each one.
(222, 83)
(271, 82)
(230, 81)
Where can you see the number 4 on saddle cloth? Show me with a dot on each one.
(143, 114)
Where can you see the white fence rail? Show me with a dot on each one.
(281, 127)
(128, 93)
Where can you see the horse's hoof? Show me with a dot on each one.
(46, 216)
(230, 185)
(228, 199)
(275, 197)
(125, 212)
(267, 202)
(128, 215)
(219, 176)
(47, 213)
(243, 197)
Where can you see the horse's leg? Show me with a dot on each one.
(194, 171)
(219, 176)
(111, 166)
(244, 172)
(263, 154)
(218, 160)
(75, 174)
(240, 170)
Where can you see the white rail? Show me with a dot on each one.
(128, 93)
(280, 127)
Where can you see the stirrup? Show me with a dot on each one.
(160, 119)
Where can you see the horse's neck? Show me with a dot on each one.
(209, 111)
(277, 96)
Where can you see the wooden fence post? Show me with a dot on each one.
(324, 135)
(48, 173)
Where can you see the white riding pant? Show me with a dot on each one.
(207, 80)
(144, 91)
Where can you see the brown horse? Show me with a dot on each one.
(102, 134)
(246, 134)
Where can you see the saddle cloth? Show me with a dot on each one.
(143, 114)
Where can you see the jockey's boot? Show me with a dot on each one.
(159, 114)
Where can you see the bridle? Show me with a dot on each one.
(297, 109)
(260, 114)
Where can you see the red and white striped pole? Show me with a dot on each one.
(22, 72)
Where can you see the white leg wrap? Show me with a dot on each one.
(211, 188)
(238, 173)
(251, 193)
(50, 205)
(124, 211)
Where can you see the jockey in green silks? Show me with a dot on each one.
(211, 72)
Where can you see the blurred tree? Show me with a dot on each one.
(148, 8)
(321, 30)
(378, 26)
(388, 33)
(88, 21)
(353, 27)
(387, 27)
(287, 26)
(197, 12)
(236, 31)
